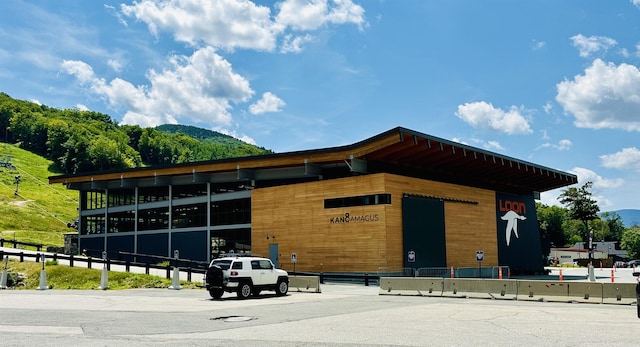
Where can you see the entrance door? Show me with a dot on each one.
(423, 232)
(273, 254)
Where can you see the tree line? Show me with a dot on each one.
(580, 221)
(82, 141)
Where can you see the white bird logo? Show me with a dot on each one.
(512, 224)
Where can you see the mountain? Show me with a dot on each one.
(197, 133)
(629, 217)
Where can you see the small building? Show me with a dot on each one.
(400, 199)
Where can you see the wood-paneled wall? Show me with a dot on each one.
(296, 216)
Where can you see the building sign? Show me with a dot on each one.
(518, 237)
(349, 218)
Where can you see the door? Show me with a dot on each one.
(273, 254)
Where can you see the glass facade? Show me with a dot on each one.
(168, 214)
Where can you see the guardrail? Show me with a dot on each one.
(90, 263)
(15, 244)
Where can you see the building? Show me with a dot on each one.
(400, 199)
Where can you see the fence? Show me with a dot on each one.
(16, 244)
(90, 262)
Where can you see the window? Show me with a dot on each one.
(237, 265)
(228, 212)
(363, 200)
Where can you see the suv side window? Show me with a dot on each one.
(255, 265)
(265, 264)
(237, 265)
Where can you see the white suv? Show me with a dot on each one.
(245, 276)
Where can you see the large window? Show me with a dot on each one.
(92, 225)
(92, 199)
(152, 194)
(189, 216)
(121, 197)
(153, 219)
(230, 241)
(231, 212)
(363, 200)
(121, 222)
(188, 191)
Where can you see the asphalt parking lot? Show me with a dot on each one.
(342, 315)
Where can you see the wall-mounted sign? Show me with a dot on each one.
(411, 257)
(349, 218)
(480, 256)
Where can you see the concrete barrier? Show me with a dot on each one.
(480, 288)
(305, 283)
(422, 286)
(586, 292)
(619, 293)
(543, 291)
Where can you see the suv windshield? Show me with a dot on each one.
(223, 264)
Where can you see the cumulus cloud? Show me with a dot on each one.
(269, 103)
(627, 158)
(592, 44)
(636, 3)
(606, 96)
(230, 24)
(562, 145)
(293, 44)
(310, 15)
(200, 87)
(599, 182)
(483, 115)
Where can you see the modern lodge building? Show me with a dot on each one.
(400, 199)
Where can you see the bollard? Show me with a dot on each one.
(104, 278)
(612, 277)
(70, 260)
(5, 275)
(452, 275)
(175, 283)
(321, 278)
(500, 273)
(560, 275)
(43, 277)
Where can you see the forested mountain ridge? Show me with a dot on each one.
(82, 141)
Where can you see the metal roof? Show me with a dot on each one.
(399, 151)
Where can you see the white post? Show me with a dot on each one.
(43, 276)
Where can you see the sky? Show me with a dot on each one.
(554, 83)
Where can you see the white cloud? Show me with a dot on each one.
(627, 158)
(592, 44)
(484, 115)
(537, 45)
(585, 175)
(310, 15)
(606, 96)
(488, 145)
(81, 107)
(230, 24)
(293, 44)
(234, 134)
(200, 88)
(269, 103)
(636, 3)
(115, 65)
(223, 24)
(562, 145)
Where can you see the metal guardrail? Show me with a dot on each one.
(37, 246)
(90, 263)
(444, 272)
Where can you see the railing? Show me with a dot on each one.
(15, 243)
(360, 278)
(90, 262)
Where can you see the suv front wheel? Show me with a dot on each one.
(282, 287)
(244, 290)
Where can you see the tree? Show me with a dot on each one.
(614, 225)
(631, 242)
(581, 207)
(550, 219)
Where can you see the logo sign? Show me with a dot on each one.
(411, 256)
(104, 255)
(294, 258)
(176, 254)
(479, 256)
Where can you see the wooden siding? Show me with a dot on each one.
(296, 216)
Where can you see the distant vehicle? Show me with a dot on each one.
(633, 263)
(620, 264)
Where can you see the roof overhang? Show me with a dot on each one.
(399, 150)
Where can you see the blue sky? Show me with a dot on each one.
(556, 83)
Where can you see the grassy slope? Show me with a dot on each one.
(40, 211)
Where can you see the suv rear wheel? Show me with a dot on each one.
(244, 290)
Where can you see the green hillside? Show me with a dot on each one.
(39, 212)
